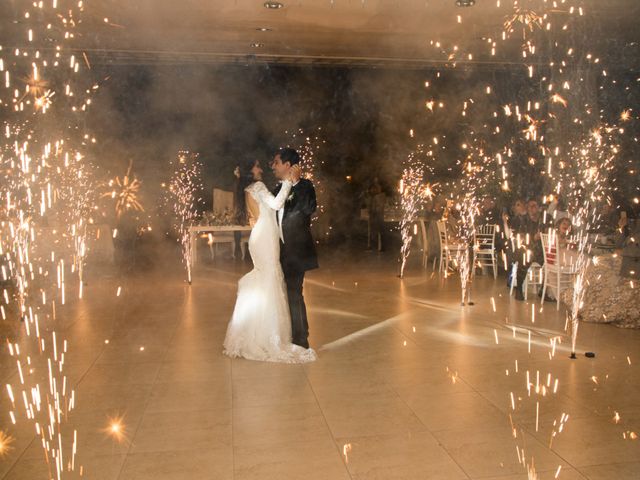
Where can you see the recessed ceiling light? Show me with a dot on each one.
(263, 29)
(257, 45)
(465, 3)
(273, 5)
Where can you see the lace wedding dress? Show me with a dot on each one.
(260, 328)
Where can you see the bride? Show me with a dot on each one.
(260, 327)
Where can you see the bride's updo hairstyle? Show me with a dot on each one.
(245, 178)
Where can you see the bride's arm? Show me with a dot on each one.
(277, 202)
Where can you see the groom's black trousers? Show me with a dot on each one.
(299, 325)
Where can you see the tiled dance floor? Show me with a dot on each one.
(408, 385)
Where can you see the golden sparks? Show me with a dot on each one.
(625, 116)
(125, 192)
(528, 19)
(116, 429)
(555, 98)
(5, 443)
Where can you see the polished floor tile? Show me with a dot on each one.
(279, 424)
(617, 471)
(178, 465)
(398, 457)
(190, 396)
(408, 384)
(318, 459)
(190, 430)
(105, 467)
(492, 452)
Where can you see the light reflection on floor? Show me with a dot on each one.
(379, 404)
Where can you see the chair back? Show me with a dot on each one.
(442, 232)
(549, 247)
(423, 233)
(485, 237)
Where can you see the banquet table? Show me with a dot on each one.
(196, 230)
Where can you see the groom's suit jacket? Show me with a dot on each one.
(298, 253)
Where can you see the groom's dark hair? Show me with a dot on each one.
(289, 155)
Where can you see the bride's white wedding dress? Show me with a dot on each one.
(260, 328)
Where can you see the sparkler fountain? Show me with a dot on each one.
(76, 200)
(413, 191)
(478, 172)
(468, 211)
(585, 183)
(47, 179)
(183, 195)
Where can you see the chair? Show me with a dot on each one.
(447, 250)
(533, 278)
(215, 239)
(485, 247)
(554, 271)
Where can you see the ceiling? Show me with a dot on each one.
(353, 32)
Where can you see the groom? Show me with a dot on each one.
(297, 251)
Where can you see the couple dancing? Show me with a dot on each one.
(269, 321)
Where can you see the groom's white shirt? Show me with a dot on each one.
(281, 214)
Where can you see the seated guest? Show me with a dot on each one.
(556, 210)
(563, 229)
(628, 240)
(608, 220)
(432, 213)
(527, 247)
(559, 242)
(489, 213)
(450, 218)
(513, 219)
(552, 206)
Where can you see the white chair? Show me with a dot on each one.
(534, 279)
(215, 239)
(556, 275)
(485, 247)
(447, 250)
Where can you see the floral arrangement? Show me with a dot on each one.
(218, 219)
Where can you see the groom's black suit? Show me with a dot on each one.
(298, 253)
